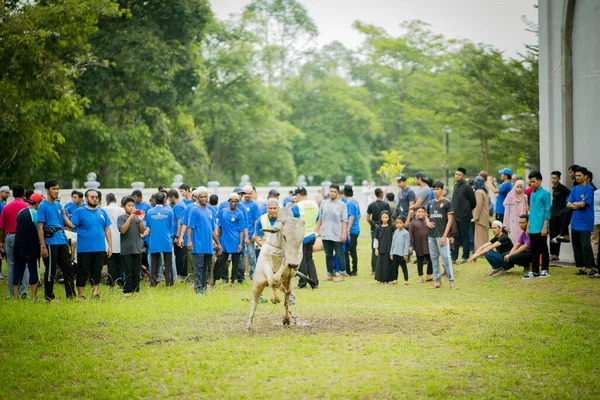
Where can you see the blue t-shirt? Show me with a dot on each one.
(51, 214)
(160, 220)
(188, 202)
(540, 203)
(583, 218)
(251, 215)
(202, 223)
(179, 211)
(70, 208)
(259, 226)
(262, 209)
(504, 190)
(1, 206)
(90, 226)
(231, 223)
(144, 206)
(287, 200)
(354, 210)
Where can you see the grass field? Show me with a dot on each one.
(493, 338)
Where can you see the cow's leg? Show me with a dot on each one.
(275, 299)
(276, 280)
(257, 289)
(288, 285)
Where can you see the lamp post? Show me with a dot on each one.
(447, 131)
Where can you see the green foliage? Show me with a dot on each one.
(144, 90)
(391, 166)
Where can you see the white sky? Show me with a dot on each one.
(494, 22)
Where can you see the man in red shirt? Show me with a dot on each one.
(8, 228)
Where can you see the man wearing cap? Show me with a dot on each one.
(502, 191)
(353, 230)
(332, 227)
(252, 215)
(201, 232)
(8, 229)
(27, 248)
(232, 228)
(495, 249)
(308, 211)
(266, 220)
(463, 203)
(53, 242)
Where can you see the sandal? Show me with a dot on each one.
(437, 286)
(453, 286)
(420, 280)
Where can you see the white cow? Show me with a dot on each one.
(278, 262)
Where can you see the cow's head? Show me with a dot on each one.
(290, 236)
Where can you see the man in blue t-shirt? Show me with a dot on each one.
(581, 201)
(74, 204)
(201, 233)
(55, 251)
(181, 253)
(160, 225)
(353, 230)
(502, 191)
(231, 230)
(252, 214)
(92, 225)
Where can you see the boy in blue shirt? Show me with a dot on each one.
(55, 251)
(92, 225)
(538, 227)
(353, 230)
(581, 201)
(502, 191)
(160, 223)
(231, 228)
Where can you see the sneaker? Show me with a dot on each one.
(544, 274)
(529, 275)
(593, 272)
(458, 262)
(581, 272)
(555, 240)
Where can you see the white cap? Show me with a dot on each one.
(497, 223)
(4, 189)
(247, 189)
(233, 196)
(199, 190)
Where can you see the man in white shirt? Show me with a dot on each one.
(115, 271)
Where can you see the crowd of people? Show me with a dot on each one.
(185, 233)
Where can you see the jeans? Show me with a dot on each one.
(351, 252)
(539, 246)
(10, 263)
(329, 246)
(582, 249)
(462, 239)
(435, 251)
(155, 261)
(202, 265)
(523, 259)
(307, 266)
(160, 267)
(250, 252)
(496, 260)
(132, 264)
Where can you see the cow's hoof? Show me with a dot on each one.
(286, 320)
(275, 300)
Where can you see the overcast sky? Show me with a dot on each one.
(495, 22)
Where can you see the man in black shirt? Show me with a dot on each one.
(373, 212)
(502, 245)
(463, 203)
(439, 220)
(560, 194)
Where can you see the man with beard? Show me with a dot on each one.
(55, 251)
(93, 227)
(231, 228)
(201, 232)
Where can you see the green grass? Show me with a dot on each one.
(493, 338)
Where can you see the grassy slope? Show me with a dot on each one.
(494, 338)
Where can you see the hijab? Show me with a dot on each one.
(479, 183)
(512, 197)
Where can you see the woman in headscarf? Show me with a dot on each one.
(515, 205)
(481, 213)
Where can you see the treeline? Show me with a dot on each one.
(146, 89)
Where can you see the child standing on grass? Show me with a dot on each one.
(419, 233)
(399, 252)
(382, 245)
